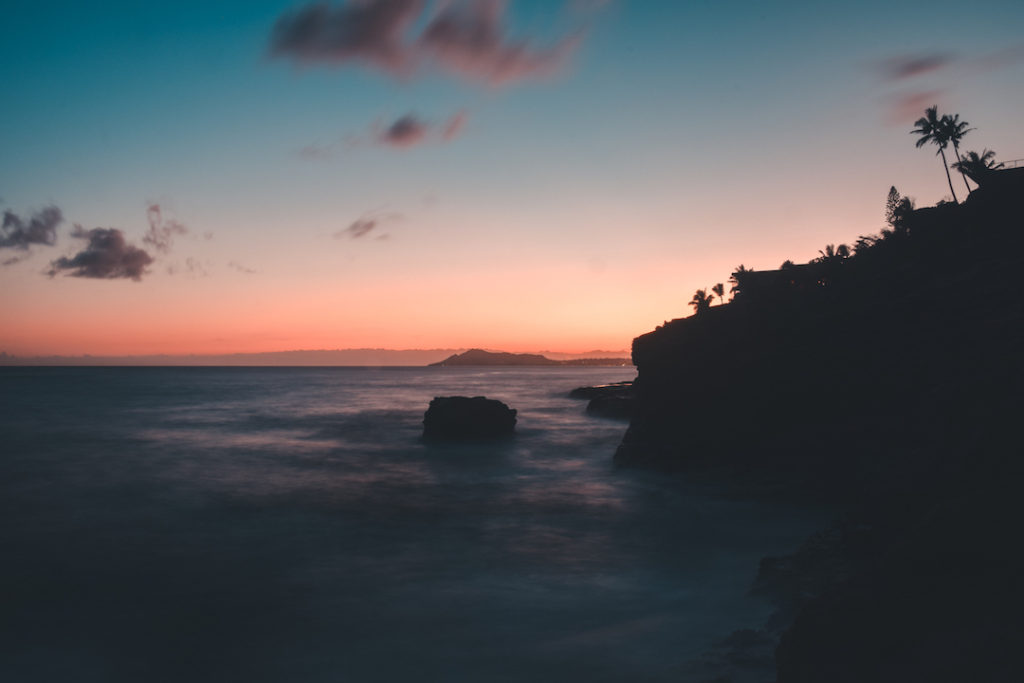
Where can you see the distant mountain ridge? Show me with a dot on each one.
(502, 358)
(297, 358)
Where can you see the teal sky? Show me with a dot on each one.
(571, 203)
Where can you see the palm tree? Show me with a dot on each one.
(977, 165)
(831, 253)
(955, 130)
(719, 289)
(701, 301)
(736, 279)
(932, 129)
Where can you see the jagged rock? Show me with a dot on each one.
(460, 417)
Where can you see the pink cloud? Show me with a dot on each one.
(466, 38)
(453, 126)
(908, 107)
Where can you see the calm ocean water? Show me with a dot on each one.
(287, 524)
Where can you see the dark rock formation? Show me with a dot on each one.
(893, 386)
(607, 400)
(616, 388)
(460, 417)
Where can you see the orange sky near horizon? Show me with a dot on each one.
(499, 194)
(572, 306)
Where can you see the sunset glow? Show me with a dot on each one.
(565, 183)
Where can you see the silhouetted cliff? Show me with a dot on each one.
(915, 342)
(891, 379)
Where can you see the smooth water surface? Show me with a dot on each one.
(287, 524)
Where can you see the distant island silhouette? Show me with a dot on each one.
(298, 358)
(501, 358)
(887, 376)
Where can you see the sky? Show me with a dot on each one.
(196, 177)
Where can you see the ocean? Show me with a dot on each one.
(288, 524)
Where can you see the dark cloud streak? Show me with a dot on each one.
(913, 66)
(359, 228)
(407, 131)
(367, 224)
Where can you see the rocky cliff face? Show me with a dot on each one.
(896, 387)
(912, 345)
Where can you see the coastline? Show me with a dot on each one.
(865, 391)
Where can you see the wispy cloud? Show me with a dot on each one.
(359, 228)
(905, 108)
(1001, 58)
(466, 38)
(161, 232)
(190, 266)
(454, 125)
(41, 229)
(410, 130)
(922, 78)
(106, 256)
(234, 265)
(363, 226)
(372, 32)
(407, 131)
(910, 66)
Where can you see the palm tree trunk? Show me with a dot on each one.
(948, 178)
(956, 150)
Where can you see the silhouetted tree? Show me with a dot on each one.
(736, 279)
(955, 130)
(892, 203)
(719, 289)
(787, 265)
(701, 301)
(865, 242)
(932, 129)
(834, 254)
(977, 165)
(897, 208)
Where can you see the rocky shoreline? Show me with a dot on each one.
(893, 390)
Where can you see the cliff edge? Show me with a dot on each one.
(890, 379)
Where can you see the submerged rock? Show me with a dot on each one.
(460, 417)
(607, 400)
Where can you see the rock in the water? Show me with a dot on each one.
(616, 407)
(608, 400)
(460, 417)
(614, 389)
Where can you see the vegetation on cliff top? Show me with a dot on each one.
(887, 375)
